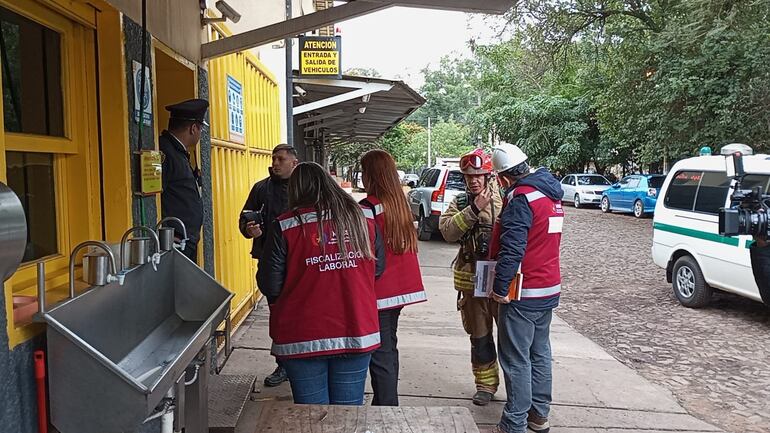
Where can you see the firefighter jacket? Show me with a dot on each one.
(401, 283)
(321, 302)
(472, 228)
(527, 238)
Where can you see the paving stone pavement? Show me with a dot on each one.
(715, 360)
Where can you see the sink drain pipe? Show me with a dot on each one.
(166, 414)
(42, 410)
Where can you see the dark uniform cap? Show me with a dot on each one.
(192, 109)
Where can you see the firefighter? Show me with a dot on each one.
(469, 220)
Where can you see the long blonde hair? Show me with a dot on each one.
(310, 186)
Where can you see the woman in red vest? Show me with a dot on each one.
(318, 272)
(401, 283)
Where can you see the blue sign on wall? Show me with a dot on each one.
(235, 109)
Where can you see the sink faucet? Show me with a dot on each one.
(183, 242)
(155, 259)
(103, 246)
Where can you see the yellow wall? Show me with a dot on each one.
(236, 167)
(76, 158)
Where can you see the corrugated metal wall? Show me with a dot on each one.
(237, 166)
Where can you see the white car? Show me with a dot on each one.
(686, 240)
(410, 180)
(431, 197)
(584, 189)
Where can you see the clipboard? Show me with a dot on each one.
(485, 279)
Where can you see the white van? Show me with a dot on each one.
(686, 240)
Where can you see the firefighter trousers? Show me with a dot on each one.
(478, 315)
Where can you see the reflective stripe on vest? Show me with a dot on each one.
(368, 213)
(541, 293)
(400, 300)
(378, 209)
(327, 345)
(295, 221)
(532, 196)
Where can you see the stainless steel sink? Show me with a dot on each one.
(114, 351)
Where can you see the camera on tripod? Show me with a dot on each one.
(750, 215)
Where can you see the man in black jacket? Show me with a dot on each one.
(760, 266)
(269, 197)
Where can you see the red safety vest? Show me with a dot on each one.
(401, 283)
(327, 304)
(540, 264)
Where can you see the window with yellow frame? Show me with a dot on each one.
(47, 72)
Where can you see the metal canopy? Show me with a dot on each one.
(351, 9)
(353, 109)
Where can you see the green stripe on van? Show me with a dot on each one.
(698, 234)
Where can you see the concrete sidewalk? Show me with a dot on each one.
(593, 392)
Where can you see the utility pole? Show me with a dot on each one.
(289, 84)
(428, 142)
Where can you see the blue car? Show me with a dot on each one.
(637, 193)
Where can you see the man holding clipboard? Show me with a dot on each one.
(527, 284)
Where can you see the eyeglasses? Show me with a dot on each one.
(472, 161)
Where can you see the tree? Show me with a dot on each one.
(448, 140)
(546, 111)
(449, 91)
(363, 72)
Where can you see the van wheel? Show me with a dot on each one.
(639, 209)
(577, 201)
(690, 287)
(423, 231)
(606, 204)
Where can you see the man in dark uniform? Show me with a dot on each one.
(270, 197)
(181, 181)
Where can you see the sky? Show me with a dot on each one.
(399, 42)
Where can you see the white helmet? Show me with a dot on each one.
(506, 156)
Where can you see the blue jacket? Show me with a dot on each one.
(516, 220)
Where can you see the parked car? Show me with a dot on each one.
(583, 189)
(686, 241)
(411, 180)
(431, 196)
(636, 193)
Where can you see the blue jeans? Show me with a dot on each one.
(332, 380)
(525, 357)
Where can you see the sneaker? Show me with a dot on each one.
(277, 377)
(482, 398)
(537, 423)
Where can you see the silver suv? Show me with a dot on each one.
(431, 197)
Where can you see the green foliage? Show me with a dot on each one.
(449, 91)
(581, 83)
(629, 82)
(363, 72)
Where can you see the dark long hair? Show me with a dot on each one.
(310, 186)
(381, 180)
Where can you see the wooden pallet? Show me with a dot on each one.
(280, 417)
